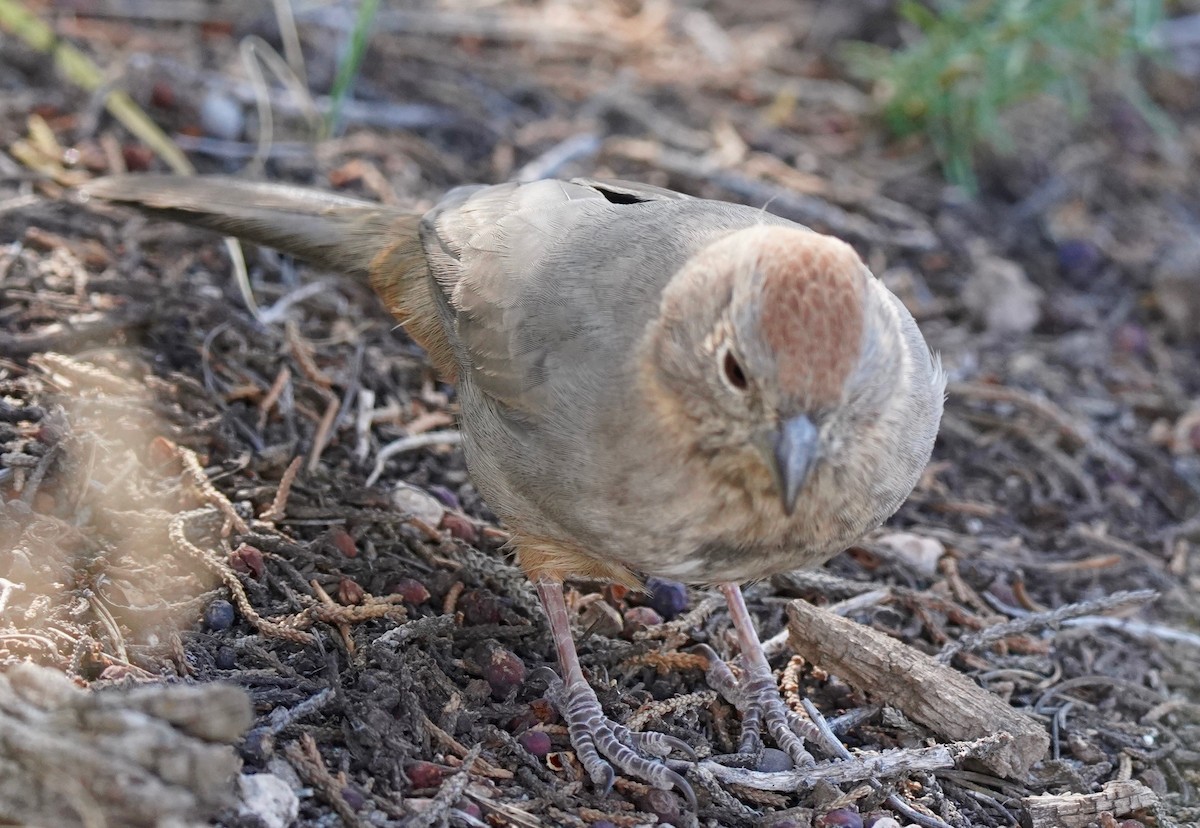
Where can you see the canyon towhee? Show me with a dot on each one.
(650, 384)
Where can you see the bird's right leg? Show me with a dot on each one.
(599, 742)
(756, 695)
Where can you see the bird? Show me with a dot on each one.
(650, 384)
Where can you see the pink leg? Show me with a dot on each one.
(757, 695)
(599, 742)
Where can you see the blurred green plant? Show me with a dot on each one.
(348, 70)
(974, 59)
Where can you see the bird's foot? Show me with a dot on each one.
(757, 698)
(602, 744)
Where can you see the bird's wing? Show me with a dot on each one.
(620, 191)
(548, 285)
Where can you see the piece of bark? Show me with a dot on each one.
(937, 696)
(1077, 810)
(143, 756)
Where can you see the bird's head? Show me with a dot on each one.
(775, 351)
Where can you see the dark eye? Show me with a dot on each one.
(734, 374)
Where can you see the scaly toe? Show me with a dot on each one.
(757, 697)
(657, 744)
(651, 771)
(602, 744)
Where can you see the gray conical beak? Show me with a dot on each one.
(794, 446)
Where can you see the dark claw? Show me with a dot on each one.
(684, 788)
(718, 674)
(610, 779)
(545, 674)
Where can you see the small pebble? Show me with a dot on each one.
(536, 742)
(774, 760)
(668, 598)
(663, 804)
(1155, 780)
(880, 821)
(410, 500)
(258, 746)
(221, 117)
(999, 293)
(219, 615)
(640, 618)
(600, 618)
(266, 800)
(226, 658)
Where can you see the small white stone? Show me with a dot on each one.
(271, 799)
(418, 503)
(920, 552)
(221, 117)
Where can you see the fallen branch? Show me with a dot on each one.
(938, 697)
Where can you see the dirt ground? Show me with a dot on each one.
(194, 495)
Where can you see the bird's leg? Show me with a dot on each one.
(757, 696)
(599, 742)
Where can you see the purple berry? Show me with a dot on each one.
(668, 598)
(536, 742)
(219, 615)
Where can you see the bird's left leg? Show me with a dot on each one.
(599, 742)
(756, 695)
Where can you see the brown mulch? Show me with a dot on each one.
(186, 491)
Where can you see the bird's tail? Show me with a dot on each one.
(342, 234)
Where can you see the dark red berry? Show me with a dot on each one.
(350, 593)
(411, 590)
(480, 607)
(248, 560)
(503, 672)
(840, 818)
(424, 774)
